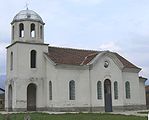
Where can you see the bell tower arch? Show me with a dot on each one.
(27, 26)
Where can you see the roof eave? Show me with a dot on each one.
(27, 20)
(71, 66)
(142, 78)
(25, 43)
(131, 69)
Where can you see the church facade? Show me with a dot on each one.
(42, 77)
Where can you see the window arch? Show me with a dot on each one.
(72, 90)
(127, 88)
(41, 32)
(115, 90)
(12, 32)
(50, 90)
(99, 90)
(33, 59)
(32, 30)
(11, 61)
(21, 30)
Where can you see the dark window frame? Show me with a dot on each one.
(99, 90)
(72, 90)
(50, 90)
(33, 58)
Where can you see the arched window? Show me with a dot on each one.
(21, 30)
(10, 96)
(33, 59)
(32, 33)
(127, 88)
(41, 32)
(50, 90)
(12, 32)
(11, 61)
(72, 90)
(99, 90)
(115, 90)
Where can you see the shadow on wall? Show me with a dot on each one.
(2, 82)
(2, 101)
(147, 82)
(147, 96)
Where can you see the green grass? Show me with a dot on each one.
(79, 116)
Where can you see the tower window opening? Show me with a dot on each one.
(33, 59)
(11, 61)
(12, 32)
(41, 32)
(50, 90)
(32, 30)
(21, 30)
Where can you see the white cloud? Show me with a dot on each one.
(110, 46)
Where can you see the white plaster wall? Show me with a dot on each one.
(133, 78)
(51, 74)
(36, 75)
(142, 92)
(21, 92)
(22, 75)
(11, 74)
(13, 93)
(60, 77)
(6, 95)
(24, 61)
(100, 73)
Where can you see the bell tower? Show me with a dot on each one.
(27, 26)
(26, 65)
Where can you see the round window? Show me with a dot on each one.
(106, 64)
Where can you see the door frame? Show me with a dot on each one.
(108, 96)
(32, 87)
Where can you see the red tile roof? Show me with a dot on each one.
(69, 56)
(79, 57)
(125, 62)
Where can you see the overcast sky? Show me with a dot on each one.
(117, 25)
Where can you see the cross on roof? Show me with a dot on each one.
(27, 6)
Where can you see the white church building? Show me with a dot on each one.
(45, 78)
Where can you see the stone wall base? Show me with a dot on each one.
(82, 109)
(129, 108)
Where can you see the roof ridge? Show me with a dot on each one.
(79, 49)
(86, 57)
